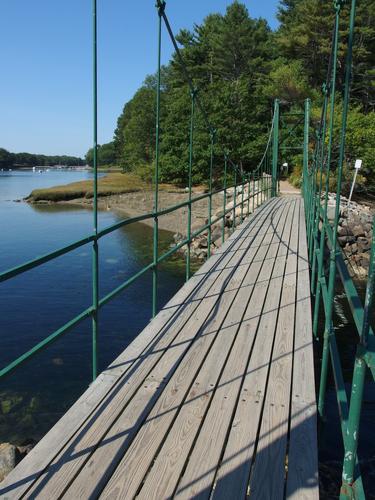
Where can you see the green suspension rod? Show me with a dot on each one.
(275, 147)
(95, 249)
(224, 197)
(190, 180)
(209, 232)
(327, 88)
(160, 5)
(332, 262)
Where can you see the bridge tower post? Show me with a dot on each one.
(305, 172)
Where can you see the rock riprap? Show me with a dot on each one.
(354, 233)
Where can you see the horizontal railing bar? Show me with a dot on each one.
(87, 312)
(15, 271)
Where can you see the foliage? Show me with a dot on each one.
(105, 155)
(295, 178)
(10, 160)
(239, 66)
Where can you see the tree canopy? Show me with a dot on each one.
(239, 65)
(8, 160)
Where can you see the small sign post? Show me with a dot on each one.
(357, 166)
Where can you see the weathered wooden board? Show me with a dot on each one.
(137, 461)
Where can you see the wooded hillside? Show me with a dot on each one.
(239, 65)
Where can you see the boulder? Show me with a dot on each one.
(203, 242)
(358, 230)
(8, 459)
(344, 231)
(365, 260)
(363, 244)
(343, 240)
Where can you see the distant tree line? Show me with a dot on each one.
(239, 65)
(14, 160)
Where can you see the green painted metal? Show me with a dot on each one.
(275, 146)
(212, 136)
(95, 248)
(224, 196)
(190, 182)
(322, 239)
(160, 8)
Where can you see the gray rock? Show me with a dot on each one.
(344, 231)
(354, 248)
(203, 242)
(8, 459)
(363, 244)
(358, 230)
(345, 239)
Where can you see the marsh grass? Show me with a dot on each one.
(114, 183)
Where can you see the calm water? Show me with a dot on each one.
(41, 300)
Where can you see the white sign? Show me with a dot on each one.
(358, 164)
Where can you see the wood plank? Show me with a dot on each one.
(270, 456)
(302, 478)
(76, 453)
(234, 470)
(200, 469)
(129, 474)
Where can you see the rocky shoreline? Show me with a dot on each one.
(199, 245)
(11, 455)
(354, 234)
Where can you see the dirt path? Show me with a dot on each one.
(287, 189)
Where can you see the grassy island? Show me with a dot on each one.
(111, 184)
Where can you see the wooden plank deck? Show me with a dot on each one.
(215, 398)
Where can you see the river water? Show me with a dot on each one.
(41, 300)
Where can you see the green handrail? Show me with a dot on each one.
(322, 235)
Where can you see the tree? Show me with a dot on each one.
(6, 158)
(106, 155)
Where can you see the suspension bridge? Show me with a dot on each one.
(216, 396)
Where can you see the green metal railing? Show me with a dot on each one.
(259, 184)
(322, 238)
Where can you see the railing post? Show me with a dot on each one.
(253, 191)
(332, 261)
(305, 176)
(242, 195)
(95, 248)
(160, 6)
(275, 148)
(212, 136)
(248, 195)
(225, 196)
(190, 181)
(234, 199)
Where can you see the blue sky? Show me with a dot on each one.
(45, 53)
